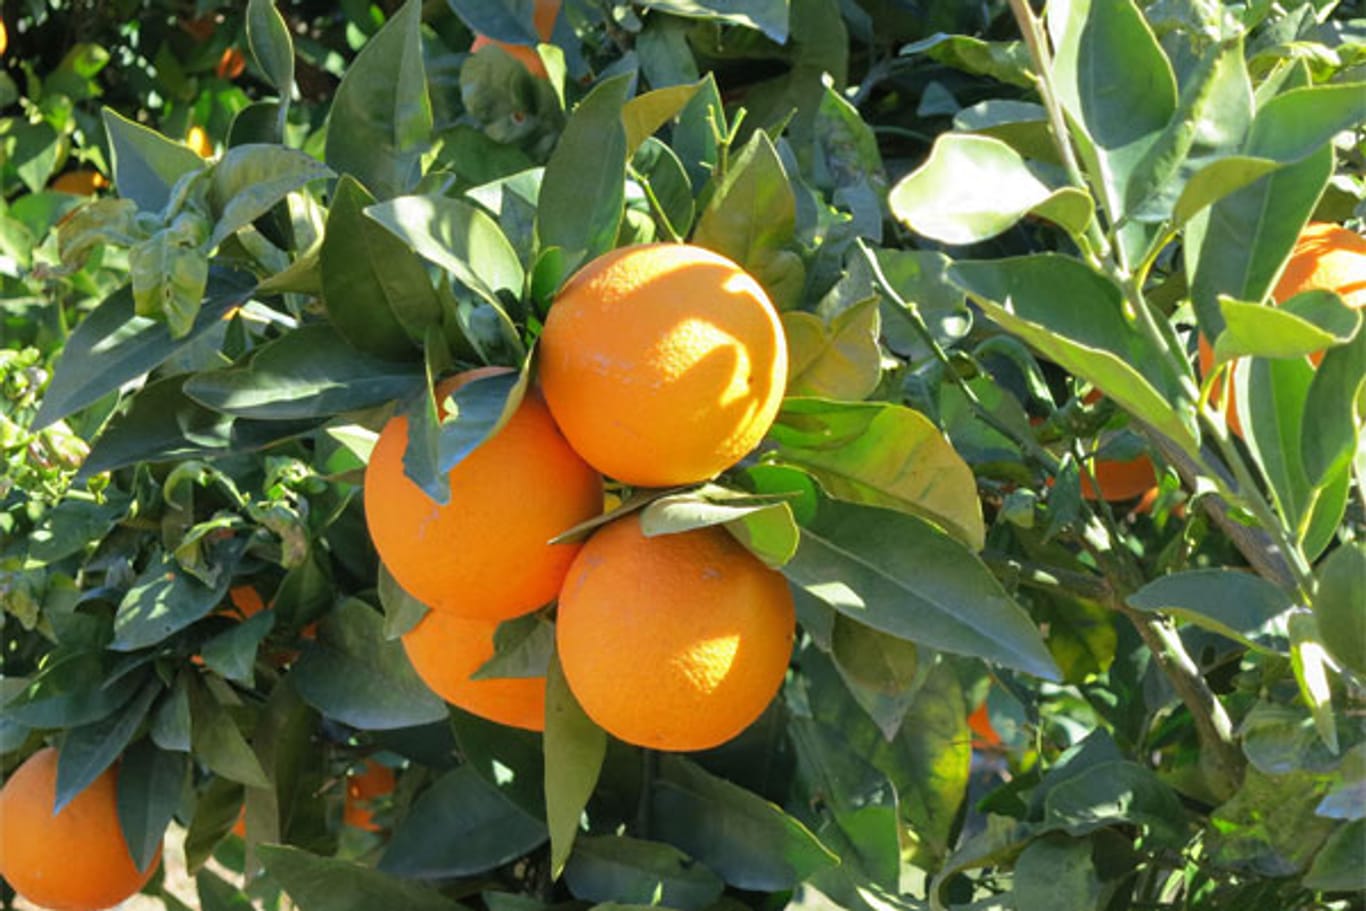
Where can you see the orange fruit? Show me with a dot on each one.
(543, 17)
(239, 828)
(984, 735)
(485, 553)
(76, 860)
(1326, 257)
(375, 780)
(246, 600)
(199, 141)
(1119, 480)
(230, 64)
(663, 363)
(81, 182)
(446, 649)
(676, 642)
(4, 38)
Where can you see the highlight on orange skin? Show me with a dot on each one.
(374, 781)
(543, 17)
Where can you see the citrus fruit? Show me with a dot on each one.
(82, 182)
(362, 788)
(446, 649)
(984, 735)
(485, 553)
(663, 363)
(674, 642)
(199, 141)
(1326, 257)
(1119, 480)
(76, 860)
(231, 64)
(543, 17)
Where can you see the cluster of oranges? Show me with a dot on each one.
(660, 365)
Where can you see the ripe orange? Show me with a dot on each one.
(445, 650)
(1119, 480)
(984, 735)
(230, 64)
(76, 860)
(81, 182)
(676, 642)
(1326, 257)
(663, 363)
(199, 141)
(543, 17)
(484, 554)
(246, 601)
(375, 780)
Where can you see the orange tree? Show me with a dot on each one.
(992, 236)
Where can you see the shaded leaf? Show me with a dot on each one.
(620, 869)
(1240, 605)
(574, 750)
(331, 884)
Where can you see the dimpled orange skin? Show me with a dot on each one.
(543, 17)
(1120, 481)
(74, 861)
(676, 642)
(1326, 257)
(485, 553)
(663, 363)
(445, 650)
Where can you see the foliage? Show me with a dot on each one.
(197, 361)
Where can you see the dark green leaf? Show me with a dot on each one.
(355, 675)
(113, 345)
(1338, 606)
(1338, 867)
(501, 20)
(88, 750)
(271, 45)
(1115, 793)
(881, 454)
(1329, 434)
(1240, 605)
(624, 870)
(218, 742)
(768, 16)
(170, 727)
(250, 179)
(899, 574)
(583, 192)
(331, 884)
(522, 647)
(1005, 61)
(163, 600)
(146, 164)
(1057, 872)
(308, 373)
(574, 750)
(150, 783)
(460, 826)
(232, 652)
(381, 117)
(1269, 827)
(477, 411)
(883, 673)
(750, 842)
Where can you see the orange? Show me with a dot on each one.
(73, 861)
(676, 642)
(1326, 257)
(445, 650)
(199, 141)
(4, 38)
(239, 828)
(985, 736)
(485, 553)
(230, 64)
(663, 363)
(246, 600)
(543, 17)
(82, 182)
(1119, 480)
(375, 780)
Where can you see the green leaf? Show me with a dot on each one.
(583, 193)
(750, 842)
(1337, 604)
(1113, 79)
(767, 16)
(881, 454)
(624, 870)
(1295, 124)
(899, 574)
(1037, 298)
(643, 115)
(146, 165)
(973, 188)
(250, 179)
(375, 289)
(164, 599)
(1217, 179)
(170, 727)
(232, 652)
(113, 345)
(1004, 61)
(1306, 323)
(459, 238)
(1280, 739)
(88, 750)
(355, 675)
(460, 826)
(271, 45)
(331, 884)
(1239, 605)
(218, 742)
(1332, 411)
(1338, 867)
(751, 215)
(169, 277)
(882, 672)
(71, 690)
(1269, 827)
(522, 648)
(1112, 794)
(574, 751)
(310, 372)
(150, 783)
(1057, 872)
(380, 122)
(475, 413)
(764, 524)
(1271, 397)
(839, 359)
